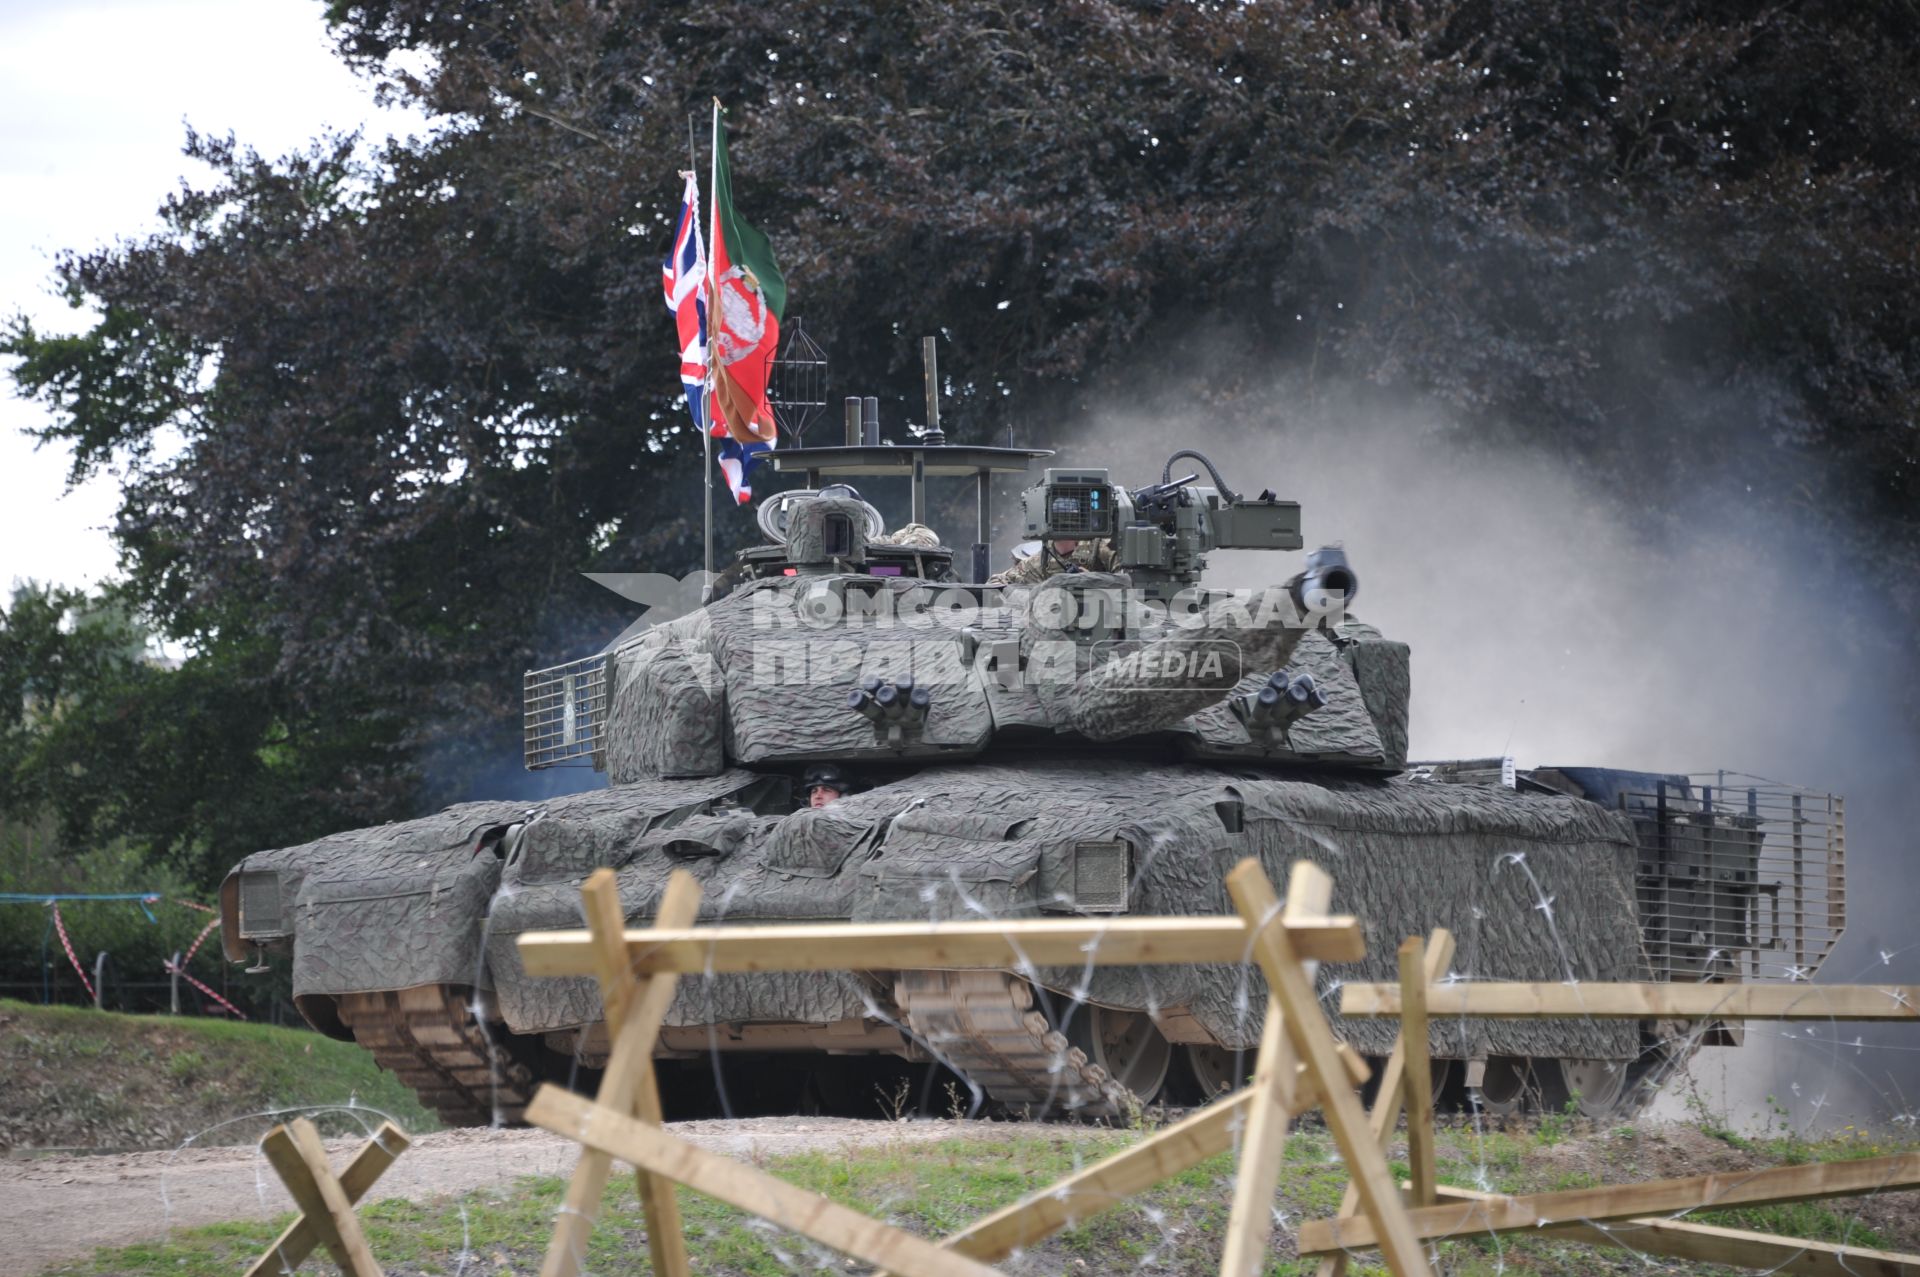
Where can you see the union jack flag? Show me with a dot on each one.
(683, 279)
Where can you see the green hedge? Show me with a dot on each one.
(138, 939)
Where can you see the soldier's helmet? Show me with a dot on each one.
(825, 776)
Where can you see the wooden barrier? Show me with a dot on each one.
(1300, 1065)
(1722, 1191)
(840, 1227)
(1393, 1089)
(1489, 1000)
(1636, 1216)
(1274, 1094)
(1709, 1243)
(326, 1202)
(929, 946)
(1113, 1180)
(1308, 1030)
(634, 1010)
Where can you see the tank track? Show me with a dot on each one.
(982, 1024)
(428, 1037)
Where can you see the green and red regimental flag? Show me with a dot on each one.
(748, 295)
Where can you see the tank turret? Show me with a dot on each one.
(823, 652)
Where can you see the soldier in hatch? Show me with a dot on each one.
(1064, 555)
(824, 784)
(917, 535)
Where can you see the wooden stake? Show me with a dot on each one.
(1273, 1101)
(1106, 1183)
(300, 1160)
(1419, 1069)
(1386, 1105)
(1311, 1036)
(1721, 1191)
(1678, 1239)
(1112, 1180)
(948, 946)
(1502, 1001)
(843, 1229)
(679, 904)
(297, 1241)
(634, 1011)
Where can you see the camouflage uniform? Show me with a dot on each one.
(917, 535)
(726, 581)
(1088, 556)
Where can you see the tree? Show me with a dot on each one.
(419, 385)
(194, 763)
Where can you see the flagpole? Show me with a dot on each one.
(706, 429)
(713, 323)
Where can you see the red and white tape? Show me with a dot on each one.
(199, 940)
(59, 924)
(174, 970)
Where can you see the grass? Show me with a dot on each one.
(77, 1077)
(932, 1189)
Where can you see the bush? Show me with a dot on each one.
(138, 936)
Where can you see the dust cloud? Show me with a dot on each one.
(1655, 622)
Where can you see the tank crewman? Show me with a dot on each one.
(1066, 555)
(824, 784)
(726, 581)
(917, 535)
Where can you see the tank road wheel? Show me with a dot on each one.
(1127, 1044)
(1598, 1089)
(1216, 1070)
(1508, 1088)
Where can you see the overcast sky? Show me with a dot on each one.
(95, 96)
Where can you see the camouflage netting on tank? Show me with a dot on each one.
(1533, 890)
(815, 844)
(786, 868)
(765, 675)
(1405, 856)
(740, 886)
(1383, 669)
(1367, 683)
(392, 906)
(405, 904)
(579, 833)
(666, 710)
(1152, 683)
(1535, 886)
(1341, 730)
(787, 673)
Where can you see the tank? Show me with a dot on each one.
(863, 725)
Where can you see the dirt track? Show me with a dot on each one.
(60, 1208)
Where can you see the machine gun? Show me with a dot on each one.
(1161, 533)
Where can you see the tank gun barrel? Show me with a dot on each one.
(1329, 579)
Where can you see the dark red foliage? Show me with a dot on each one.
(421, 385)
